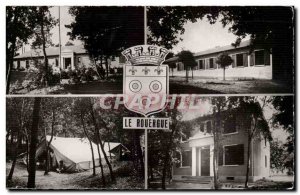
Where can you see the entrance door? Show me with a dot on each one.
(205, 162)
(67, 62)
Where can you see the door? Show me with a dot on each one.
(67, 62)
(205, 162)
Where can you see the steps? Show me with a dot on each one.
(195, 179)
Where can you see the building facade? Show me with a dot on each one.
(255, 65)
(196, 156)
(71, 57)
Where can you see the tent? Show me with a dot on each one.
(76, 152)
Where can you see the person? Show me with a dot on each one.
(61, 167)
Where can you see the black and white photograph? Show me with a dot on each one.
(69, 50)
(150, 97)
(226, 50)
(71, 143)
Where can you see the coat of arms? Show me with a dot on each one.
(146, 79)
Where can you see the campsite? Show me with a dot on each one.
(75, 145)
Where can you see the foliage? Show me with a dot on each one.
(224, 60)
(44, 23)
(271, 28)
(285, 118)
(69, 43)
(20, 28)
(106, 31)
(188, 60)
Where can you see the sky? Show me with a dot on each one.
(202, 35)
(198, 36)
(65, 19)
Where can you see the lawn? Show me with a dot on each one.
(235, 86)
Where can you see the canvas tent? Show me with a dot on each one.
(76, 152)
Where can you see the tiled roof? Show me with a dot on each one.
(52, 51)
(215, 50)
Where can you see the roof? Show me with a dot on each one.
(78, 149)
(52, 51)
(215, 50)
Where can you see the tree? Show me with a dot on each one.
(188, 60)
(106, 31)
(219, 106)
(285, 118)
(257, 126)
(224, 60)
(19, 29)
(33, 142)
(44, 23)
(171, 65)
(271, 28)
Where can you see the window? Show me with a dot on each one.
(56, 62)
(265, 142)
(259, 57)
(239, 60)
(266, 162)
(230, 125)
(211, 63)
(202, 127)
(201, 64)
(234, 155)
(79, 59)
(27, 63)
(208, 127)
(67, 62)
(186, 158)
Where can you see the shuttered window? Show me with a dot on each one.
(186, 158)
(234, 61)
(234, 154)
(259, 57)
(202, 127)
(201, 64)
(211, 63)
(239, 60)
(230, 125)
(208, 126)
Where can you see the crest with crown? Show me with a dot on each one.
(145, 79)
(145, 55)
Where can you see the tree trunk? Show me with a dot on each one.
(216, 149)
(33, 142)
(11, 172)
(106, 67)
(192, 72)
(46, 76)
(92, 150)
(48, 144)
(139, 152)
(101, 166)
(248, 162)
(100, 142)
(9, 66)
(11, 54)
(187, 74)
(166, 161)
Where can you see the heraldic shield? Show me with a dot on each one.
(146, 80)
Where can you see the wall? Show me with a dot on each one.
(198, 139)
(240, 72)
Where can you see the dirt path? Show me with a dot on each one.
(82, 180)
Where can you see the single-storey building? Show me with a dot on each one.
(196, 155)
(71, 57)
(255, 65)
